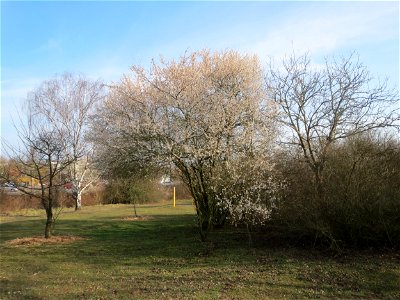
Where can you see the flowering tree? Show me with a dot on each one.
(201, 113)
(248, 190)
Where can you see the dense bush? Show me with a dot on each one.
(360, 203)
(123, 191)
(139, 190)
(14, 201)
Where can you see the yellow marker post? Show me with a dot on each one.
(174, 198)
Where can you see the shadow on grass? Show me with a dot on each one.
(168, 241)
(168, 244)
(169, 235)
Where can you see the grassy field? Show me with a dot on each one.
(161, 257)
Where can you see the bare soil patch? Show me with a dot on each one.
(138, 218)
(38, 240)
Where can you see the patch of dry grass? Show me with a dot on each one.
(39, 240)
(138, 218)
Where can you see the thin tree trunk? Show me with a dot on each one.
(49, 223)
(318, 181)
(250, 238)
(78, 201)
(203, 227)
(134, 208)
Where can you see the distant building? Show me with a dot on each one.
(166, 180)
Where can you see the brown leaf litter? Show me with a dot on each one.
(138, 218)
(39, 240)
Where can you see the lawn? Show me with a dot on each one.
(161, 257)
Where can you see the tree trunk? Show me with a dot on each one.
(203, 234)
(203, 227)
(249, 237)
(134, 208)
(319, 187)
(49, 223)
(78, 200)
(323, 205)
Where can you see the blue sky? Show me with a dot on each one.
(102, 39)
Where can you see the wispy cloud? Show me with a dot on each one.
(52, 45)
(330, 29)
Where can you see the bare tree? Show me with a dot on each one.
(197, 114)
(42, 155)
(320, 106)
(66, 102)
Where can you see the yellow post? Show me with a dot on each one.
(174, 198)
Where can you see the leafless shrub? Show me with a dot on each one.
(360, 201)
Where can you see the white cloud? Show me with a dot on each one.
(106, 72)
(329, 28)
(52, 45)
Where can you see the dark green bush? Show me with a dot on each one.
(141, 190)
(125, 191)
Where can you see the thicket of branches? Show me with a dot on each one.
(359, 205)
(340, 177)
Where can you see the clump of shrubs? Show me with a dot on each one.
(140, 190)
(14, 201)
(360, 202)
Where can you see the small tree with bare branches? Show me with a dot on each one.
(66, 103)
(43, 156)
(321, 106)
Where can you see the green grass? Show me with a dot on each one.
(162, 258)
